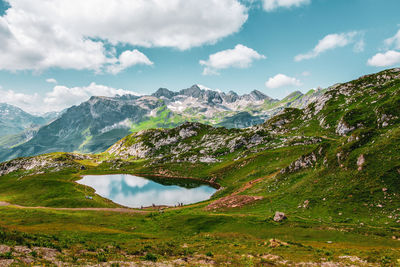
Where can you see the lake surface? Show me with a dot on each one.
(134, 192)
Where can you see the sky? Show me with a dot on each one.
(56, 53)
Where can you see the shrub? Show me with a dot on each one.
(150, 257)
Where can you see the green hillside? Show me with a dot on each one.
(333, 168)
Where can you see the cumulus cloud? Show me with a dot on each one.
(63, 96)
(271, 5)
(51, 80)
(332, 41)
(128, 59)
(387, 59)
(390, 57)
(59, 98)
(27, 102)
(393, 41)
(72, 34)
(282, 80)
(239, 57)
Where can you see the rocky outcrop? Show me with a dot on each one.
(343, 128)
(41, 163)
(305, 161)
(190, 142)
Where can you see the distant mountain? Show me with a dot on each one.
(14, 120)
(96, 124)
(52, 115)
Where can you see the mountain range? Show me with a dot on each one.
(322, 180)
(96, 124)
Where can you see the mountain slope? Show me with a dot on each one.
(342, 161)
(332, 168)
(98, 123)
(92, 126)
(339, 154)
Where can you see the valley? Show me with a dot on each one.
(329, 161)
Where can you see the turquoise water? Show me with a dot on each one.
(135, 192)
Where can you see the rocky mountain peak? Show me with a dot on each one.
(257, 95)
(164, 92)
(231, 97)
(193, 91)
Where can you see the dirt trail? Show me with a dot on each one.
(235, 200)
(121, 210)
(250, 184)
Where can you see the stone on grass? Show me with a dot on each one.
(279, 216)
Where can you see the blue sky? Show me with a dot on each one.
(257, 44)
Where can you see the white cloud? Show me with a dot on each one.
(59, 98)
(387, 59)
(281, 80)
(390, 57)
(393, 41)
(28, 102)
(359, 46)
(37, 35)
(239, 57)
(128, 59)
(332, 41)
(51, 80)
(270, 5)
(306, 73)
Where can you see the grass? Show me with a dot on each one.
(180, 233)
(191, 230)
(335, 207)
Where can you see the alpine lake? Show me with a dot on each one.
(136, 192)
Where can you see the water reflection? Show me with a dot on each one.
(133, 191)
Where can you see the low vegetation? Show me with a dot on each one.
(332, 168)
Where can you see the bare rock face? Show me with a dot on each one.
(303, 162)
(279, 216)
(360, 162)
(38, 164)
(186, 133)
(343, 128)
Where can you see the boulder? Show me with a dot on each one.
(279, 216)
(274, 243)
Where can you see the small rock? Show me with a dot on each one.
(4, 249)
(274, 243)
(271, 257)
(279, 216)
(360, 162)
(22, 250)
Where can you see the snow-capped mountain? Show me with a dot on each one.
(98, 123)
